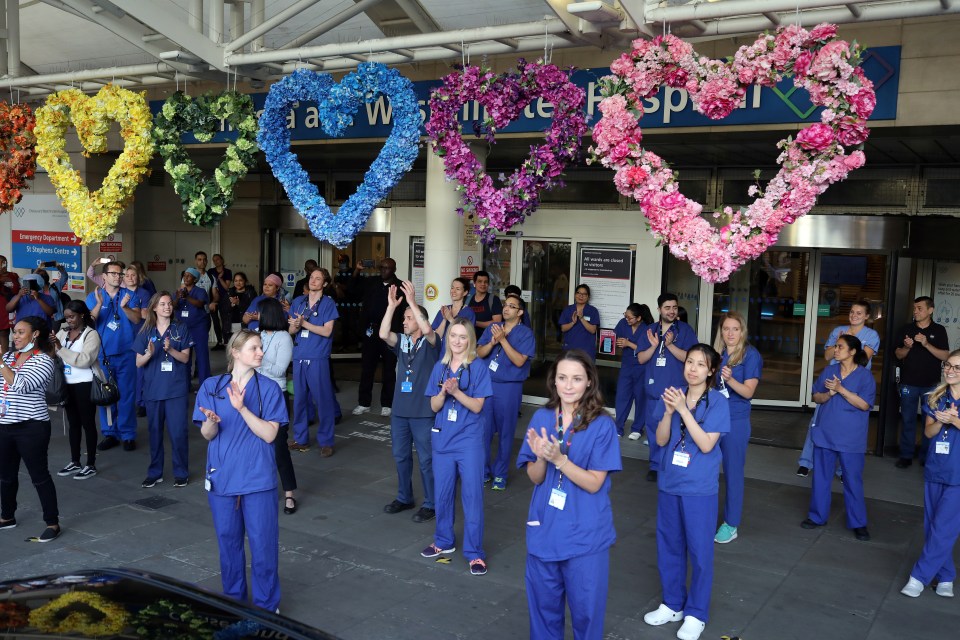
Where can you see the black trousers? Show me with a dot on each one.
(217, 328)
(27, 441)
(288, 479)
(373, 352)
(82, 416)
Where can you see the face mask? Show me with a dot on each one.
(28, 347)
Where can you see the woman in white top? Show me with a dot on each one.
(277, 354)
(78, 345)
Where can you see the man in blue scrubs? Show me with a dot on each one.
(417, 350)
(117, 314)
(664, 347)
(506, 347)
(191, 310)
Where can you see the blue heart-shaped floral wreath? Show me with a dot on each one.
(336, 104)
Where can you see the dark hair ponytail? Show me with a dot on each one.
(853, 343)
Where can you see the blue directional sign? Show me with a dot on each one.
(31, 256)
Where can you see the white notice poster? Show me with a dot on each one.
(946, 300)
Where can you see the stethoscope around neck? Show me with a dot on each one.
(218, 390)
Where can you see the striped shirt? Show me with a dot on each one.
(25, 399)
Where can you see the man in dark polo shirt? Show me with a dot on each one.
(486, 307)
(417, 350)
(922, 346)
(374, 350)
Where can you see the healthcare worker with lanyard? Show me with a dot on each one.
(458, 386)
(631, 383)
(579, 323)
(163, 354)
(311, 324)
(506, 347)
(690, 422)
(192, 311)
(663, 348)
(570, 451)
(239, 414)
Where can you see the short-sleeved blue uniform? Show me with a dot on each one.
(688, 484)
(241, 473)
(254, 308)
(197, 320)
(631, 390)
(500, 411)
(27, 307)
(568, 549)
(457, 439)
(465, 312)
(312, 387)
(578, 337)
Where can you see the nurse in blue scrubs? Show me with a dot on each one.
(663, 349)
(163, 354)
(631, 390)
(941, 487)
(458, 386)
(690, 423)
(740, 368)
(272, 288)
(191, 310)
(845, 393)
(506, 347)
(311, 325)
(459, 291)
(570, 451)
(239, 414)
(579, 323)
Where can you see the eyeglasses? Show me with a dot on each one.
(951, 367)
(113, 273)
(629, 318)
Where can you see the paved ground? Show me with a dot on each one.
(354, 571)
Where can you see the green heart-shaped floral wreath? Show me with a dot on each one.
(206, 200)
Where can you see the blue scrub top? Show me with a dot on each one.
(188, 314)
(578, 337)
(867, 336)
(27, 307)
(629, 358)
(157, 383)
(414, 365)
(118, 339)
(585, 525)
(671, 374)
(841, 426)
(239, 461)
(306, 344)
(466, 432)
(943, 467)
(702, 476)
(465, 313)
(749, 368)
(521, 338)
(254, 306)
(142, 297)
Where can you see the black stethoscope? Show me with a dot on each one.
(219, 388)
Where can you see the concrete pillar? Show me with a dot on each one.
(443, 236)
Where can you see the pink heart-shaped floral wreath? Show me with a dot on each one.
(827, 67)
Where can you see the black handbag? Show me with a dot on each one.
(56, 392)
(104, 391)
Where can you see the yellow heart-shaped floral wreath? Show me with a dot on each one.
(93, 216)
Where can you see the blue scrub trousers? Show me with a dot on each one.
(941, 527)
(468, 466)
(312, 389)
(253, 515)
(733, 446)
(500, 418)
(652, 434)
(405, 432)
(201, 348)
(123, 415)
(910, 398)
(686, 525)
(140, 401)
(580, 582)
(631, 391)
(824, 461)
(806, 455)
(173, 411)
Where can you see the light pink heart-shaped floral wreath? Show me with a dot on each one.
(817, 60)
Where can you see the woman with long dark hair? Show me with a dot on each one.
(570, 451)
(78, 345)
(25, 423)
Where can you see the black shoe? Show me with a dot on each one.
(129, 445)
(141, 412)
(651, 476)
(396, 507)
(287, 509)
(424, 515)
(181, 482)
(803, 471)
(108, 443)
(810, 524)
(8, 524)
(862, 534)
(149, 482)
(49, 534)
(903, 463)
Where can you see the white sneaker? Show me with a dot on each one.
(914, 588)
(385, 411)
(691, 628)
(662, 615)
(635, 435)
(945, 589)
(360, 410)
